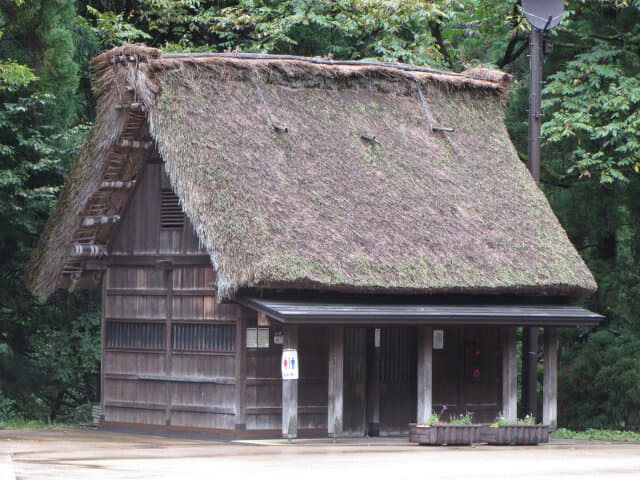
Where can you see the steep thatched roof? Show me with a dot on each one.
(307, 174)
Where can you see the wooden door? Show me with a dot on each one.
(398, 379)
(481, 373)
(355, 372)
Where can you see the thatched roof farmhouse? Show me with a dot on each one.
(320, 174)
(369, 223)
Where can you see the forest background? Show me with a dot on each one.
(49, 353)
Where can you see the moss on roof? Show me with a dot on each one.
(358, 193)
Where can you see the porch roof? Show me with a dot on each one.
(312, 311)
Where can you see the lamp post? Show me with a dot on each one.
(542, 15)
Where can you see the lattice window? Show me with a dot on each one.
(171, 214)
(203, 337)
(135, 335)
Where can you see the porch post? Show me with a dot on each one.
(550, 378)
(240, 386)
(336, 381)
(425, 373)
(290, 390)
(373, 385)
(509, 375)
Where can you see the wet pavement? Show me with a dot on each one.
(89, 454)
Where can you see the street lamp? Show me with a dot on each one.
(542, 15)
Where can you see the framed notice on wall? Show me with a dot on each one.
(252, 338)
(263, 338)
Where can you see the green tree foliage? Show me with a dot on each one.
(42, 371)
(600, 383)
(386, 30)
(591, 177)
(110, 29)
(591, 152)
(40, 34)
(594, 98)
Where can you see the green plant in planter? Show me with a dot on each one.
(439, 418)
(527, 420)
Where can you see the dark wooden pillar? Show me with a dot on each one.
(167, 268)
(290, 389)
(373, 384)
(425, 373)
(240, 388)
(103, 338)
(336, 381)
(550, 379)
(509, 374)
(529, 370)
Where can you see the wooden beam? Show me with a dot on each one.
(336, 381)
(425, 373)
(550, 378)
(509, 374)
(130, 106)
(240, 389)
(152, 260)
(100, 220)
(117, 185)
(126, 143)
(290, 389)
(266, 410)
(85, 250)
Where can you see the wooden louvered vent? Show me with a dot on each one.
(196, 337)
(171, 214)
(135, 335)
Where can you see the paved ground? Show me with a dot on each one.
(87, 455)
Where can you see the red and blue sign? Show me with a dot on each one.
(289, 364)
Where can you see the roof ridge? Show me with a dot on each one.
(137, 53)
(321, 61)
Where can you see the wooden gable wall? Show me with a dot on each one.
(170, 349)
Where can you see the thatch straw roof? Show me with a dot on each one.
(316, 174)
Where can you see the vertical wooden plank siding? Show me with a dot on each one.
(336, 381)
(240, 389)
(187, 381)
(550, 378)
(373, 382)
(290, 390)
(509, 375)
(355, 372)
(425, 373)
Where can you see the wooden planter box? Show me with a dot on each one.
(516, 434)
(445, 434)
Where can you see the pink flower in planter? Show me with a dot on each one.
(444, 407)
